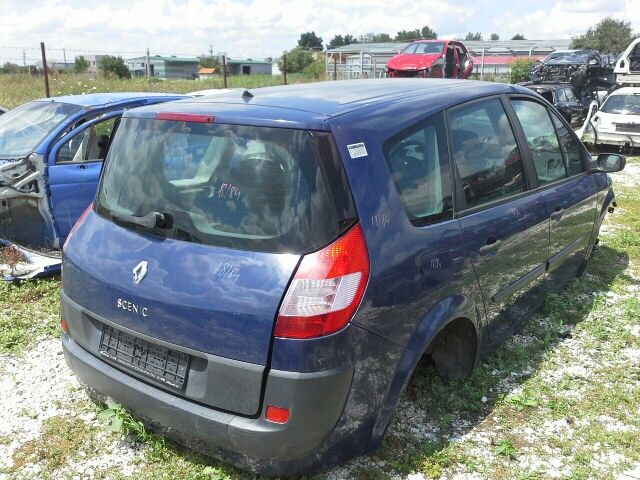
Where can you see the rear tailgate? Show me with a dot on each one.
(210, 299)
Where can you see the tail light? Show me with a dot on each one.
(326, 289)
(277, 414)
(82, 218)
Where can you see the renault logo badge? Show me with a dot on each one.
(140, 271)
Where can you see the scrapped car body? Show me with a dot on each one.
(627, 69)
(617, 121)
(561, 96)
(267, 288)
(51, 154)
(431, 59)
(586, 71)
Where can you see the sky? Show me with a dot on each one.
(265, 28)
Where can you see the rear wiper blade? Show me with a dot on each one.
(150, 220)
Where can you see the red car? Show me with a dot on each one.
(431, 59)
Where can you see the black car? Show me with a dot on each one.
(585, 70)
(561, 96)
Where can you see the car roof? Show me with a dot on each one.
(322, 100)
(103, 99)
(626, 91)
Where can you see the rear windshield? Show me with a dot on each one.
(625, 104)
(242, 187)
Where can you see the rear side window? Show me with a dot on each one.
(242, 187)
(417, 160)
(542, 140)
(570, 148)
(485, 152)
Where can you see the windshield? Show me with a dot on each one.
(424, 47)
(625, 104)
(250, 188)
(23, 128)
(568, 57)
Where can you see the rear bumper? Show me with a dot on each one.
(315, 401)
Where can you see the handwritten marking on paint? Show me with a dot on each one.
(228, 272)
(357, 150)
(381, 220)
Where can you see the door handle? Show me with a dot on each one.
(82, 166)
(557, 213)
(491, 246)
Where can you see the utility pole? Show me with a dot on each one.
(45, 70)
(211, 51)
(148, 69)
(224, 69)
(284, 67)
(24, 57)
(64, 56)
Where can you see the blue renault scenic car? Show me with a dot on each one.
(261, 271)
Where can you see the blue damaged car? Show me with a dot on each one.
(51, 154)
(262, 271)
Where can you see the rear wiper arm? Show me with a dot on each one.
(150, 220)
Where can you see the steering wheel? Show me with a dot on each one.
(408, 151)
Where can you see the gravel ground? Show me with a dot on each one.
(36, 387)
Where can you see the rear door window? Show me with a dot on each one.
(417, 160)
(243, 187)
(542, 140)
(485, 152)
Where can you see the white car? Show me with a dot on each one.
(627, 68)
(617, 122)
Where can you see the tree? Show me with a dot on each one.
(521, 69)
(473, 36)
(297, 60)
(80, 65)
(495, 36)
(428, 33)
(310, 41)
(207, 61)
(608, 36)
(9, 67)
(408, 35)
(381, 37)
(110, 66)
(518, 36)
(316, 70)
(340, 41)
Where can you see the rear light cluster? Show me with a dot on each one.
(82, 218)
(326, 289)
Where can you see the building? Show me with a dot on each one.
(248, 66)
(164, 66)
(207, 72)
(94, 61)
(55, 66)
(489, 57)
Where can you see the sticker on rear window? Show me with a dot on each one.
(357, 150)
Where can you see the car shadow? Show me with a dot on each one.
(441, 411)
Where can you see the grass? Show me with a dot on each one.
(20, 88)
(27, 312)
(60, 440)
(562, 396)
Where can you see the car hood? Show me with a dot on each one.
(412, 61)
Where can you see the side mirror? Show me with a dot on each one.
(608, 163)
